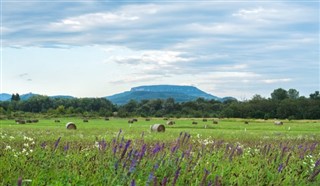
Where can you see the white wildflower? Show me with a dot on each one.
(7, 147)
(26, 145)
(11, 137)
(24, 150)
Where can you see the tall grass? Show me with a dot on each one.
(115, 153)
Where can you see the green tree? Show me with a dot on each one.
(293, 94)
(279, 94)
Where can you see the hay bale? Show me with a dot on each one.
(246, 122)
(215, 122)
(165, 118)
(29, 121)
(57, 121)
(21, 121)
(35, 121)
(170, 122)
(130, 121)
(278, 122)
(148, 119)
(194, 122)
(71, 126)
(134, 119)
(157, 128)
(107, 119)
(85, 120)
(204, 120)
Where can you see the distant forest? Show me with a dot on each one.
(283, 104)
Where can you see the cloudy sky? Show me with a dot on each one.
(96, 48)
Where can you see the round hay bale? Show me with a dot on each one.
(246, 122)
(157, 128)
(134, 119)
(29, 121)
(71, 126)
(204, 120)
(57, 121)
(194, 122)
(107, 119)
(278, 122)
(21, 122)
(215, 122)
(148, 119)
(165, 118)
(35, 121)
(85, 120)
(130, 121)
(170, 122)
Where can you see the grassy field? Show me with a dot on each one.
(116, 153)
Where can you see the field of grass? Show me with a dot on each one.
(116, 153)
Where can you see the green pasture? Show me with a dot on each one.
(228, 129)
(115, 152)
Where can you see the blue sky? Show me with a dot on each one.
(99, 48)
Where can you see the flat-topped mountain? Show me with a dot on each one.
(178, 93)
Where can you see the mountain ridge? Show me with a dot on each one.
(180, 93)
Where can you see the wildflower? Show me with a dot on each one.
(206, 173)
(31, 150)
(133, 183)
(11, 137)
(280, 167)
(8, 147)
(24, 150)
(125, 149)
(176, 176)
(164, 181)
(66, 148)
(26, 145)
(57, 143)
(43, 145)
(20, 181)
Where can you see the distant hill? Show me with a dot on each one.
(178, 93)
(5, 97)
(23, 97)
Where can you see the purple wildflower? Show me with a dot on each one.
(150, 178)
(133, 183)
(66, 148)
(20, 181)
(57, 143)
(102, 145)
(156, 149)
(287, 161)
(176, 175)
(317, 163)
(132, 165)
(114, 150)
(164, 181)
(203, 181)
(43, 145)
(125, 149)
(143, 151)
(280, 167)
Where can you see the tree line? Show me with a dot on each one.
(283, 104)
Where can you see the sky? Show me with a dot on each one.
(97, 48)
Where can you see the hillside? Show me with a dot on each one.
(178, 93)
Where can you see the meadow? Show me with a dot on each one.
(114, 152)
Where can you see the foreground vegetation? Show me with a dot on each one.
(114, 152)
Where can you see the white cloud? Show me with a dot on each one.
(270, 81)
(89, 21)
